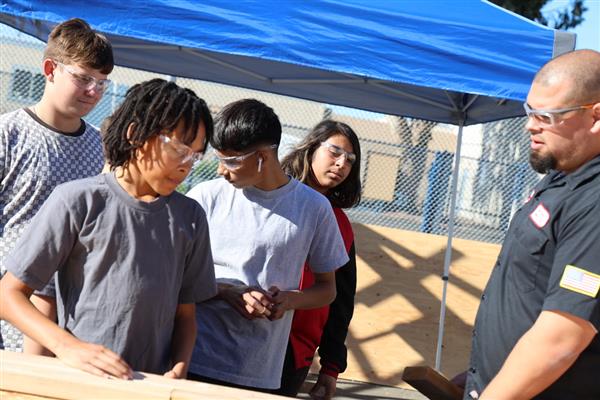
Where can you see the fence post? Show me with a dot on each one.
(437, 192)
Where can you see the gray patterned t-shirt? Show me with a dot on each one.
(34, 159)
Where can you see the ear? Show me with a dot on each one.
(266, 154)
(48, 67)
(260, 162)
(130, 132)
(596, 115)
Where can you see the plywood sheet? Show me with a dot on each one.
(398, 302)
(49, 377)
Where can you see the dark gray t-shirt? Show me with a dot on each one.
(123, 265)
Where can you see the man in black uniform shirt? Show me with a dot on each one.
(536, 332)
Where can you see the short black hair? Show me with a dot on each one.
(151, 107)
(246, 124)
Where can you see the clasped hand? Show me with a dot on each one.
(253, 302)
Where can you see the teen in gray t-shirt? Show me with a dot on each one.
(123, 265)
(263, 225)
(273, 234)
(132, 255)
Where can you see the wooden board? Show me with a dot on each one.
(432, 384)
(49, 377)
(20, 396)
(398, 300)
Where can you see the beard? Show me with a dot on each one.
(542, 163)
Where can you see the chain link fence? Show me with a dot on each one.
(407, 163)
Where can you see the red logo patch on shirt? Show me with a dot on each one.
(540, 216)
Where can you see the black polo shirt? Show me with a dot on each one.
(550, 260)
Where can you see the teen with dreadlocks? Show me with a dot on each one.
(133, 256)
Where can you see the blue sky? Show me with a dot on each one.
(588, 32)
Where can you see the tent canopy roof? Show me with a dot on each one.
(468, 63)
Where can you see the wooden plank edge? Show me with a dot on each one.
(431, 383)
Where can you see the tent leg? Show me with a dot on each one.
(448, 255)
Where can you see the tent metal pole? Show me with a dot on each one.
(415, 97)
(318, 81)
(451, 100)
(225, 64)
(448, 255)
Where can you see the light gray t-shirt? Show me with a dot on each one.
(34, 159)
(123, 265)
(259, 238)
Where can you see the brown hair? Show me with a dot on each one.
(74, 41)
(298, 163)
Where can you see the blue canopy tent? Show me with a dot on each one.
(463, 62)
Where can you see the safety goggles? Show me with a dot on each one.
(235, 162)
(180, 152)
(83, 81)
(551, 116)
(337, 152)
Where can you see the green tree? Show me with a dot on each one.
(414, 136)
(568, 17)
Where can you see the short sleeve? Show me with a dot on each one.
(199, 274)
(45, 245)
(327, 250)
(49, 290)
(197, 193)
(575, 276)
(3, 152)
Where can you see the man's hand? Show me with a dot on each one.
(324, 388)
(258, 303)
(282, 302)
(93, 358)
(250, 302)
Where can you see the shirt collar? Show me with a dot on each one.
(583, 173)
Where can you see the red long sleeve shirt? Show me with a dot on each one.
(327, 327)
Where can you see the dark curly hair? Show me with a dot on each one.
(151, 107)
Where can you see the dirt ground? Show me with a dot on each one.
(398, 301)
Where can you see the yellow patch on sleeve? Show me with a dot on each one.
(581, 281)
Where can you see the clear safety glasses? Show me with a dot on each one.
(551, 116)
(336, 152)
(180, 152)
(83, 81)
(235, 162)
